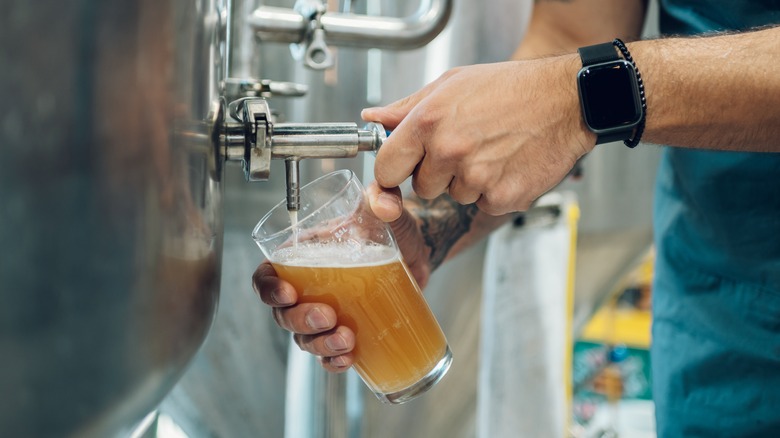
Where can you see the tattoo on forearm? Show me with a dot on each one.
(443, 223)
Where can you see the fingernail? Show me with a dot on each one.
(316, 319)
(387, 200)
(336, 342)
(339, 362)
(280, 297)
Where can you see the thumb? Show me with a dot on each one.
(386, 204)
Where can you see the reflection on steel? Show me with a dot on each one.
(110, 222)
(238, 88)
(324, 140)
(316, 28)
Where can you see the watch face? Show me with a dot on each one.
(610, 95)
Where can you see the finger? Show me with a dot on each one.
(400, 154)
(337, 364)
(495, 208)
(431, 179)
(387, 204)
(402, 151)
(272, 290)
(391, 115)
(462, 193)
(338, 341)
(305, 318)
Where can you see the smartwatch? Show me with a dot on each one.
(609, 93)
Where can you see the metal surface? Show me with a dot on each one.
(274, 24)
(236, 88)
(110, 223)
(251, 137)
(324, 140)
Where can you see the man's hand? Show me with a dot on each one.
(500, 135)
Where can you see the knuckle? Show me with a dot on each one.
(494, 203)
(337, 364)
(456, 150)
(293, 318)
(427, 119)
(423, 189)
(311, 344)
(451, 72)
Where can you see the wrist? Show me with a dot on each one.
(570, 65)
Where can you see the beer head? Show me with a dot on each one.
(335, 255)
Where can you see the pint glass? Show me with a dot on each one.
(337, 252)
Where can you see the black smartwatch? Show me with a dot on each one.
(609, 93)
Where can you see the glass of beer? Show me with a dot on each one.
(337, 252)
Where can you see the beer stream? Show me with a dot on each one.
(294, 225)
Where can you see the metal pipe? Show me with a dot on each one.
(324, 140)
(308, 140)
(354, 30)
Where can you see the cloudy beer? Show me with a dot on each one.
(398, 341)
(334, 250)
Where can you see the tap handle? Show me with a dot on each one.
(372, 137)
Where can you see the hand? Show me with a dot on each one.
(315, 325)
(500, 135)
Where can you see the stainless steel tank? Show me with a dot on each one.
(110, 220)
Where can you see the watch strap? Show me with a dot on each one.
(598, 54)
(615, 136)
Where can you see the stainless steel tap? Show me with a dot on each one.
(251, 137)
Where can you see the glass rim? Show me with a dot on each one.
(350, 177)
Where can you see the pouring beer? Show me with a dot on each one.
(340, 254)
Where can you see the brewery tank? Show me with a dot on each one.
(110, 220)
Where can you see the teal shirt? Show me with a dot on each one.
(716, 302)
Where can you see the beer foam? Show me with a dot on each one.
(335, 254)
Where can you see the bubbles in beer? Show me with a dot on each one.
(335, 254)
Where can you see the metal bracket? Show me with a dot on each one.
(316, 53)
(257, 123)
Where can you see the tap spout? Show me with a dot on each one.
(293, 184)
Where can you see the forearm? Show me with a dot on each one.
(561, 26)
(448, 228)
(720, 92)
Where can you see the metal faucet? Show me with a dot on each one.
(250, 136)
